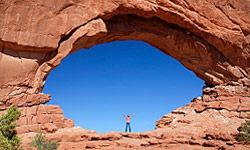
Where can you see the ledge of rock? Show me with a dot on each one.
(186, 127)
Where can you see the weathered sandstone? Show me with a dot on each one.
(198, 125)
(209, 37)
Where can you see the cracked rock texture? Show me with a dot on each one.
(209, 37)
(198, 125)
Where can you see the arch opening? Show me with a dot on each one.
(193, 51)
(95, 87)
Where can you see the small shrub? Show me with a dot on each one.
(41, 143)
(244, 132)
(8, 137)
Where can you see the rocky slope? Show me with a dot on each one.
(198, 125)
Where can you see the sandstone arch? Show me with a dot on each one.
(215, 45)
(211, 38)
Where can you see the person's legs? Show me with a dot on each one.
(126, 127)
(129, 127)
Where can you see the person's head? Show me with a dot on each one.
(128, 115)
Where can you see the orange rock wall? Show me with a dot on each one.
(209, 37)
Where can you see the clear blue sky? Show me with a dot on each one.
(96, 86)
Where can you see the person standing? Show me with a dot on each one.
(128, 126)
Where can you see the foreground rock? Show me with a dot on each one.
(198, 125)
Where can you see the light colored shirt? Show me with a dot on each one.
(128, 119)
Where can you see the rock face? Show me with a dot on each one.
(209, 37)
(198, 125)
(42, 118)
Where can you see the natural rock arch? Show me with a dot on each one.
(211, 38)
(206, 37)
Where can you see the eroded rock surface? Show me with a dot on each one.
(209, 37)
(198, 125)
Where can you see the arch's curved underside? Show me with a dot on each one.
(209, 37)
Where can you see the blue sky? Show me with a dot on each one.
(96, 86)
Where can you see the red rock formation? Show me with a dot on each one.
(209, 37)
(42, 118)
(198, 125)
